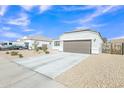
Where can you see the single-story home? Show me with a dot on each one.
(80, 41)
(39, 40)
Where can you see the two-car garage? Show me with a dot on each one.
(81, 41)
(77, 46)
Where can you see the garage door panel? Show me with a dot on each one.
(77, 46)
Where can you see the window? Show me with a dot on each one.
(10, 43)
(26, 44)
(4, 43)
(57, 43)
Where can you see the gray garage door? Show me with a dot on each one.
(78, 46)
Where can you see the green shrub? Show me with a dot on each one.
(13, 53)
(47, 52)
(7, 52)
(20, 56)
(40, 48)
(37, 49)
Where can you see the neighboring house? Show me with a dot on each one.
(80, 41)
(38, 40)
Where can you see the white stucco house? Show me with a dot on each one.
(39, 40)
(79, 41)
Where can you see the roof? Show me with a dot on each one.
(79, 30)
(83, 30)
(37, 37)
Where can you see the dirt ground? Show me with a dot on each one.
(97, 71)
(25, 53)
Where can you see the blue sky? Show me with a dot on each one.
(52, 21)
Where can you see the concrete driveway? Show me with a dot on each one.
(53, 65)
(17, 76)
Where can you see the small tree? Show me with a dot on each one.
(7, 52)
(105, 40)
(44, 49)
(20, 56)
(35, 46)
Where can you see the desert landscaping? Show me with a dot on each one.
(25, 53)
(97, 71)
(15, 54)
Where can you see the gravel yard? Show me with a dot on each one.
(97, 71)
(25, 53)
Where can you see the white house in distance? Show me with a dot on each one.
(79, 41)
(39, 40)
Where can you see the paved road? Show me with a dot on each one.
(53, 65)
(13, 75)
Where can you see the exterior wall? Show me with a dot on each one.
(56, 47)
(44, 42)
(96, 46)
(19, 43)
(40, 43)
(31, 42)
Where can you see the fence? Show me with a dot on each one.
(113, 48)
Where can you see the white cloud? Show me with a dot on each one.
(22, 20)
(90, 26)
(28, 30)
(88, 20)
(44, 8)
(3, 9)
(9, 34)
(28, 7)
(6, 28)
(76, 8)
(82, 27)
(36, 33)
(98, 25)
(99, 10)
